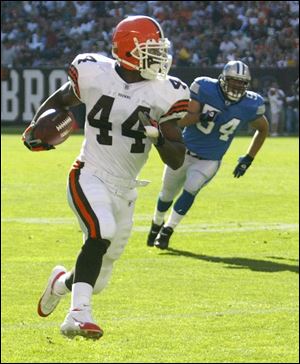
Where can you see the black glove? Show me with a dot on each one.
(243, 165)
(35, 145)
(208, 116)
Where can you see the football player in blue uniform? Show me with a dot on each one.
(217, 109)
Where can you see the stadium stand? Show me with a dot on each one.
(49, 34)
(206, 33)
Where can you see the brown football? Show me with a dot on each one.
(54, 126)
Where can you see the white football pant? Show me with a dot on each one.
(104, 211)
(191, 176)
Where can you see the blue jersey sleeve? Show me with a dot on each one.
(254, 106)
(195, 88)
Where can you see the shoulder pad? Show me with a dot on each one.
(87, 62)
(175, 94)
(199, 81)
(84, 67)
(176, 83)
(91, 57)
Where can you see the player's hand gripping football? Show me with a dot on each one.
(35, 145)
(151, 129)
(243, 164)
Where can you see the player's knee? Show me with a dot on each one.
(193, 190)
(108, 230)
(167, 194)
(193, 186)
(95, 247)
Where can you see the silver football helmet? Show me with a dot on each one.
(235, 80)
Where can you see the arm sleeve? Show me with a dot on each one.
(257, 109)
(175, 100)
(176, 111)
(73, 78)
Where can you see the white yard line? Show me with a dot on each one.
(153, 317)
(224, 228)
(182, 228)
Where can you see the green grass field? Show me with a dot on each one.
(225, 292)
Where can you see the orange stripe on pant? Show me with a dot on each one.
(80, 206)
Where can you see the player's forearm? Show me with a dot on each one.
(172, 153)
(257, 142)
(50, 103)
(189, 119)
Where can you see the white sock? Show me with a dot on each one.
(81, 295)
(159, 217)
(174, 219)
(60, 287)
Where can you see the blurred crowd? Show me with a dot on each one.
(203, 33)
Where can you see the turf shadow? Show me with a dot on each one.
(256, 265)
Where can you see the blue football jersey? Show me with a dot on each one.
(210, 140)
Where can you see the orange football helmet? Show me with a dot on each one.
(139, 44)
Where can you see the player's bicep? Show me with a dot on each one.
(192, 115)
(171, 131)
(261, 124)
(62, 98)
(68, 96)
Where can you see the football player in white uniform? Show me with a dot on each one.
(123, 97)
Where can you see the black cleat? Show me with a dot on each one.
(154, 231)
(162, 241)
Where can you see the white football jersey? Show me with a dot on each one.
(112, 143)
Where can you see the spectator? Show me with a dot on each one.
(276, 99)
(242, 41)
(183, 57)
(292, 109)
(9, 53)
(210, 31)
(227, 46)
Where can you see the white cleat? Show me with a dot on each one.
(80, 322)
(49, 299)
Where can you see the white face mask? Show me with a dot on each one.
(156, 70)
(234, 90)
